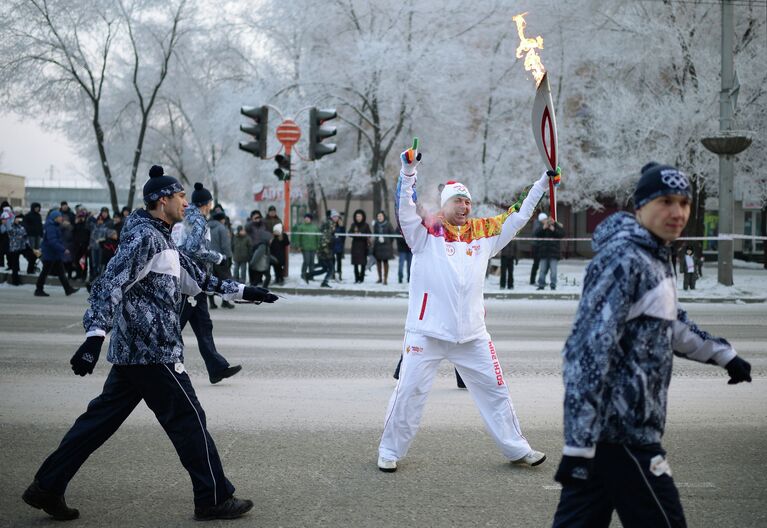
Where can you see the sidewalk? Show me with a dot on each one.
(750, 283)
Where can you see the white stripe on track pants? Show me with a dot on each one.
(478, 365)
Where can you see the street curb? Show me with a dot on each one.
(494, 295)
(380, 294)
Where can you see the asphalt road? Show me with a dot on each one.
(298, 428)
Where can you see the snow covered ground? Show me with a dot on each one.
(750, 280)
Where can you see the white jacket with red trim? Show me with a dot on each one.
(447, 274)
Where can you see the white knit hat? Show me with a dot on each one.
(453, 188)
(542, 217)
(277, 229)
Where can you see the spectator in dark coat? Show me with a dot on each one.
(81, 236)
(550, 251)
(6, 213)
(508, 257)
(278, 249)
(536, 248)
(33, 223)
(261, 238)
(98, 234)
(221, 241)
(108, 247)
(117, 223)
(338, 247)
(405, 256)
(53, 252)
(67, 212)
(382, 246)
(242, 249)
(271, 219)
(360, 245)
(67, 238)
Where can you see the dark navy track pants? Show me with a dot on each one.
(198, 316)
(169, 394)
(622, 482)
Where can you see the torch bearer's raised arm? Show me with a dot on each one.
(545, 134)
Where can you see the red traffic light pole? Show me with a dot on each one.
(288, 133)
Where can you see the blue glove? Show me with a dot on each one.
(87, 355)
(258, 294)
(574, 471)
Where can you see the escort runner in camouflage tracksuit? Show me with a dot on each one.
(138, 298)
(617, 365)
(193, 238)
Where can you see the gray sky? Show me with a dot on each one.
(28, 150)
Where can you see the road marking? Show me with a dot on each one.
(688, 485)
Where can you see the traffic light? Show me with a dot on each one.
(260, 116)
(283, 167)
(317, 132)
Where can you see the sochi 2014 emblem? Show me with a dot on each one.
(450, 250)
(414, 349)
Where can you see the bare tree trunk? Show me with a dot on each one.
(312, 199)
(347, 204)
(103, 158)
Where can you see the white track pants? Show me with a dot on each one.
(480, 369)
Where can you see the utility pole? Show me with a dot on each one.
(727, 144)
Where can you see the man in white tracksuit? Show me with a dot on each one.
(446, 314)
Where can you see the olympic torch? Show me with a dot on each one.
(545, 134)
(544, 121)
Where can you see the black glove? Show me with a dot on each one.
(739, 370)
(258, 294)
(86, 356)
(574, 471)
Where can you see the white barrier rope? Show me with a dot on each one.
(726, 236)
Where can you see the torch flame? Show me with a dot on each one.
(527, 47)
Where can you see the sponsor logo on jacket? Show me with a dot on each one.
(414, 349)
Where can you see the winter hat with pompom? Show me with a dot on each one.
(201, 195)
(159, 184)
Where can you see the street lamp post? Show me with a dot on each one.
(726, 145)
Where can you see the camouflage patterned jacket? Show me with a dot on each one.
(193, 238)
(138, 297)
(325, 246)
(617, 361)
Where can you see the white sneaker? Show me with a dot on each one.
(532, 459)
(388, 466)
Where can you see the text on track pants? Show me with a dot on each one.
(478, 365)
(170, 396)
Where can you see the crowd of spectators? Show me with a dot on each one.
(76, 244)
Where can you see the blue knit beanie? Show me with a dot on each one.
(660, 180)
(159, 184)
